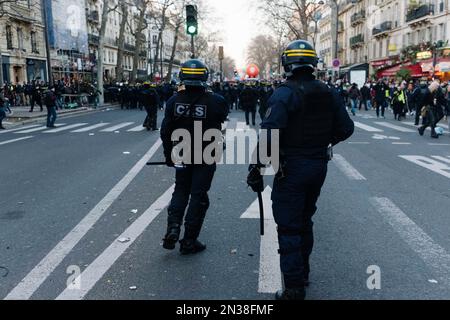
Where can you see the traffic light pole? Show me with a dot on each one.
(192, 47)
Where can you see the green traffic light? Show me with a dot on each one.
(192, 29)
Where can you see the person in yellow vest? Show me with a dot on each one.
(398, 102)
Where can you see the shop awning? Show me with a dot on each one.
(416, 71)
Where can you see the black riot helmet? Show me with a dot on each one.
(299, 54)
(194, 73)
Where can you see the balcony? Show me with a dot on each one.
(358, 18)
(19, 12)
(93, 17)
(419, 13)
(129, 47)
(93, 39)
(382, 29)
(357, 41)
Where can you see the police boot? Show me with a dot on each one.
(191, 247)
(434, 135)
(172, 236)
(291, 294)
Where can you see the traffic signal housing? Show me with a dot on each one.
(191, 20)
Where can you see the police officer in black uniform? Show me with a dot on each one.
(311, 117)
(149, 99)
(189, 108)
(249, 102)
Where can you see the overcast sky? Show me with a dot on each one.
(238, 25)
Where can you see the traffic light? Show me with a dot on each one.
(191, 19)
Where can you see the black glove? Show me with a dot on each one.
(169, 161)
(255, 179)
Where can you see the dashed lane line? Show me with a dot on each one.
(98, 268)
(15, 140)
(36, 277)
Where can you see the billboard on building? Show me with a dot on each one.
(67, 26)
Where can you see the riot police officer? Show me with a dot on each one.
(310, 118)
(149, 99)
(189, 109)
(249, 102)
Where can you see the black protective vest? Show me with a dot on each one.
(310, 125)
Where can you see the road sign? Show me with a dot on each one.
(336, 64)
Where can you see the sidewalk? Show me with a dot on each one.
(22, 114)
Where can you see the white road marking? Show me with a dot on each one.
(434, 256)
(359, 143)
(117, 127)
(93, 127)
(383, 137)
(97, 269)
(429, 164)
(37, 129)
(33, 280)
(366, 127)
(393, 126)
(241, 126)
(72, 126)
(443, 159)
(14, 140)
(401, 143)
(137, 129)
(269, 263)
(21, 128)
(439, 144)
(347, 168)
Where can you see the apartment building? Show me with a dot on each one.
(388, 35)
(94, 9)
(22, 42)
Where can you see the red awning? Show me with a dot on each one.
(416, 71)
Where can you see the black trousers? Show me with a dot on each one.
(191, 188)
(252, 111)
(294, 204)
(151, 122)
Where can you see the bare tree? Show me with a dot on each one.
(297, 15)
(160, 15)
(177, 21)
(263, 52)
(101, 46)
(121, 40)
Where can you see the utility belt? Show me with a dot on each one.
(282, 171)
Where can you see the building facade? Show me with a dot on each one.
(22, 42)
(385, 34)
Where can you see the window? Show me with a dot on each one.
(9, 43)
(34, 43)
(155, 39)
(20, 38)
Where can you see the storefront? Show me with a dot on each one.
(415, 69)
(441, 70)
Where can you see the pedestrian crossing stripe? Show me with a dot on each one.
(72, 126)
(95, 126)
(118, 127)
(436, 164)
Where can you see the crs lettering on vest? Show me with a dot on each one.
(184, 110)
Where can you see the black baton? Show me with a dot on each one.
(156, 163)
(261, 212)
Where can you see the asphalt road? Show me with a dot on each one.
(85, 202)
